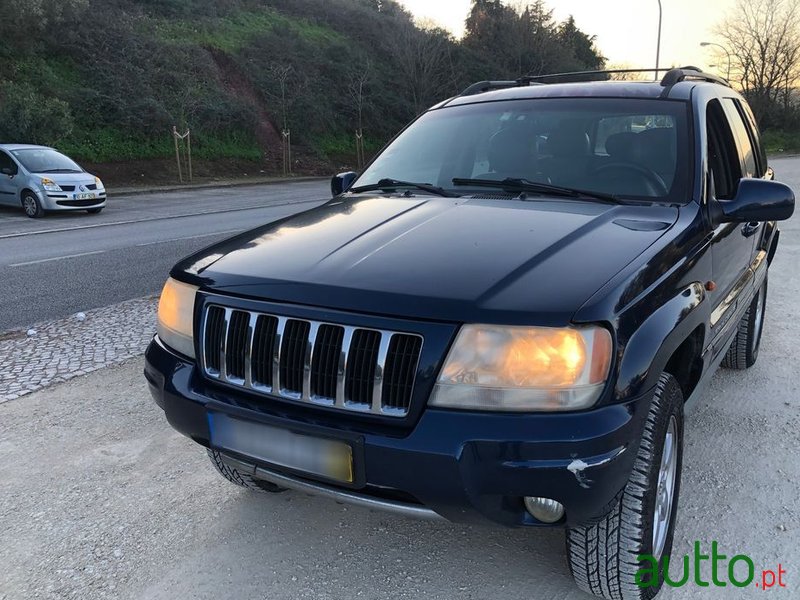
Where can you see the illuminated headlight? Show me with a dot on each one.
(176, 316)
(50, 186)
(99, 183)
(496, 368)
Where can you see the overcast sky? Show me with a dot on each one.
(625, 29)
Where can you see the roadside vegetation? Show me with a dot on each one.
(106, 80)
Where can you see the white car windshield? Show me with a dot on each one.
(45, 160)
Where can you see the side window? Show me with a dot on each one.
(6, 162)
(761, 153)
(723, 158)
(744, 142)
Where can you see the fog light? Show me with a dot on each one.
(544, 509)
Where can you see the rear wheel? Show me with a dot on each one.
(604, 556)
(241, 479)
(743, 352)
(94, 211)
(32, 206)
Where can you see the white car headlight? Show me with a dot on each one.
(176, 316)
(50, 186)
(497, 368)
(99, 183)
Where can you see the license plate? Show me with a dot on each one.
(332, 459)
(87, 196)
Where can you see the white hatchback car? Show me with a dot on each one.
(41, 179)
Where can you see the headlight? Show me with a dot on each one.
(50, 186)
(498, 368)
(99, 183)
(176, 316)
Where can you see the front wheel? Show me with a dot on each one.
(241, 479)
(604, 557)
(32, 206)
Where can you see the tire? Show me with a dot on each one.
(31, 205)
(241, 479)
(603, 556)
(743, 352)
(95, 211)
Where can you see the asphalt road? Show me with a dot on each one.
(65, 263)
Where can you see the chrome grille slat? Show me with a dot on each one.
(356, 369)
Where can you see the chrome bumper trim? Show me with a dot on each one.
(320, 489)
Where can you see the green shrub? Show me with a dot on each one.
(26, 116)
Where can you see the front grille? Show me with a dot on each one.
(67, 188)
(339, 366)
(88, 202)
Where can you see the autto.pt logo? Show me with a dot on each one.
(693, 569)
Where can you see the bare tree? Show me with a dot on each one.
(281, 74)
(423, 55)
(359, 77)
(763, 37)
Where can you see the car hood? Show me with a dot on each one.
(448, 259)
(68, 178)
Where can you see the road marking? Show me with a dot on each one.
(149, 219)
(44, 260)
(189, 237)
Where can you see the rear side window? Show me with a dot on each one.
(761, 153)
(743, 139)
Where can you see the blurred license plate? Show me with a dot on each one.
(317, 456)
(87, 196)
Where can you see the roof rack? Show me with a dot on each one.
(488, 86)
(671, 77)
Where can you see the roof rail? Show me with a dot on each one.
(671, 77)
(488, 86)
(674, 76)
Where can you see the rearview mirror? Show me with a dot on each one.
(756, 200)
(341, 183)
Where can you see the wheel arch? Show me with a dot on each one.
(671, 334)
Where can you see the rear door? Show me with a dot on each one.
(732, 243)
(8, 183)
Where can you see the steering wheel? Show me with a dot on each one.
(651, 179)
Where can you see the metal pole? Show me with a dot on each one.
(189, 152)
(658, 43)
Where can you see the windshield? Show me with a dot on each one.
(624, 147)
(45, 160)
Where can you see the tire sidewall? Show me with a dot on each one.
(755, 344)
(672, 406)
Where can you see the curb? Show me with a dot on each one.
(136, 191)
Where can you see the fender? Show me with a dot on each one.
(646, 352)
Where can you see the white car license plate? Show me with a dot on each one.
(86, 196)
(317, 456)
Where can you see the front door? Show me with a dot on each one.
(733, 244)
(8, 175)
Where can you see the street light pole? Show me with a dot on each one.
(725, 50)
(658, 43)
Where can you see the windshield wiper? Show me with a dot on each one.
(58, 171)
(387, 184)
(524, 185)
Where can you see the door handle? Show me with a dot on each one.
(751, 228)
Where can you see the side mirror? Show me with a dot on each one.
(7, 171)
(341, 183)
(756, 200)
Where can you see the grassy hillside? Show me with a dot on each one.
(119, 74)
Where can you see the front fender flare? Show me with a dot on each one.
(646, 352)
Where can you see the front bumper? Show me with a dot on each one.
(53, 201)
(463, 466)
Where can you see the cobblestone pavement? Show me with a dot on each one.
(56, 351)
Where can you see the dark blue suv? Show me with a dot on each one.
(501, 319)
